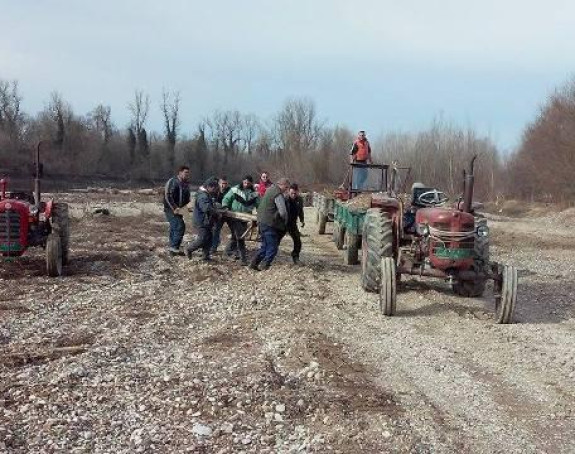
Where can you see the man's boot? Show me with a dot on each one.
(295, 259)
(265, 266)
(254, 263)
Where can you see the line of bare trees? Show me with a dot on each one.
(543, 167)
(294, 142)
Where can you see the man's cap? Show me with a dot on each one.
(211, 183)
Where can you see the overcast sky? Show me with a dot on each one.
(376, 65)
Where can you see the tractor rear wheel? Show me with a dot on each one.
(351, 251)
(61, 226)
(54, 258)
(338, 235)
(506, 295)
(387, 288)
(377, 243)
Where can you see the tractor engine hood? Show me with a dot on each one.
(448, 217)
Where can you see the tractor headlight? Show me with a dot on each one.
(482, 231)
(423, 229)
(33, 211)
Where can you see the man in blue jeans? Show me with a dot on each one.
(272, 223)
(224, 187)
(176, 197)
(360, 154)
(204, 218)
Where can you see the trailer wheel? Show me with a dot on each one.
(335, 232)
(377, 243)
(387, 288)
(506, 295)
(322, 223)
(54, 262)
(338, 235)
(61, 226)
(350, 256)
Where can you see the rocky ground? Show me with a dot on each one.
(136, 351)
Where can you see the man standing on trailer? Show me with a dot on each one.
(360, 154)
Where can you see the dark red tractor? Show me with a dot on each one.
(426, 237)
(28, 221)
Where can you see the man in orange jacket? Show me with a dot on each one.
(360, 154)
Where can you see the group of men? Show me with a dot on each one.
(279, 207)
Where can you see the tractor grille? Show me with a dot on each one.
(452, 244)
(9, 227)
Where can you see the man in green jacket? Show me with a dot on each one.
(272, 223)
(241, 198)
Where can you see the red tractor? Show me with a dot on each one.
(27, 221)
(429, 238)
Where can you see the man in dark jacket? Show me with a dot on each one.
(204, 218)
(223, 188)
(295, 212)
(272, 223)
(176, 197)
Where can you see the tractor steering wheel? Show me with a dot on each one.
(432, 198)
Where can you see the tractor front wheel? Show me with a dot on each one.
(387, 288)
(505, 295)
(61, 226)
(54, 258)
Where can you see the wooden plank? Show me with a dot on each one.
(240, 216)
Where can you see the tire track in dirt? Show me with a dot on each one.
(458, 363)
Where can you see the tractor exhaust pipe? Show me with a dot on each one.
(468, 182)
(37, 176)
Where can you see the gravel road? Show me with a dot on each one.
(136, 351)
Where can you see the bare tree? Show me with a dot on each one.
(226, 132)
(61, 113)
(297, 127)
(11, 116)
(250, 131)
(101, 116)
(139, 109)
(170, 109)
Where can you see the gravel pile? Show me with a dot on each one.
(137, 351)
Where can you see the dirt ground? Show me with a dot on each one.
(136, 351)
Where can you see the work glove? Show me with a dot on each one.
(178, 211)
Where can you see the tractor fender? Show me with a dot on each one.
(48, 209)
